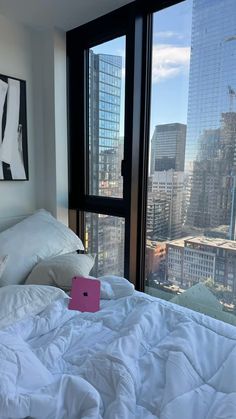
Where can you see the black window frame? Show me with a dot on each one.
(135, 22)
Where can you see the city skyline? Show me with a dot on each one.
(193, 120)
(171, 57)
(209, 184)
(210, 143)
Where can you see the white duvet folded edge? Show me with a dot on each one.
(19, 301)
(114, 287)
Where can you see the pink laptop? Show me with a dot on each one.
(85, 294)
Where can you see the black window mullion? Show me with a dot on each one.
(76, 103)
(86, 123)
(103, 205)
(140, 140)
(144, 145)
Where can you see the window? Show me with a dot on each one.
(104, 236)
(192, 123)
(102, 165)
(153, 166)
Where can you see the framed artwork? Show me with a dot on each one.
(13, 129)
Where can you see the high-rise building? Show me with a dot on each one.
(211, 126)
(105, 73)
(105, 234)
(212, 189)
(166, 189)
(168, 147)
(158, 217)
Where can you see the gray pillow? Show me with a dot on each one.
(61, 269)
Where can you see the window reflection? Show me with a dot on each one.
(191, 204)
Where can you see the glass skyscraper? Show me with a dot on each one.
(105, 234)
(211, 125)
(105, 73)
(168, 147)
(202, 246)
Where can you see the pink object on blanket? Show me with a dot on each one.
(85, 294)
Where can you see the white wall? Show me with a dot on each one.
(18, 197)
(39, 57)
(60, 95)
(49, 86)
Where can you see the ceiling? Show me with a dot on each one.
(63, 14)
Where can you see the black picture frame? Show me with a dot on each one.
(13, 130)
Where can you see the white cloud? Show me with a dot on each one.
(168, 35)
(169, 61)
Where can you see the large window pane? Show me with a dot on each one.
(191, 202)
(106, 118)
(104, 236)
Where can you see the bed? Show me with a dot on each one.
(138, 357)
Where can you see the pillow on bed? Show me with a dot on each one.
(20, 301)
(3, 262)
(37, 237)
(61, 269)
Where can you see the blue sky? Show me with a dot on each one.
(171, 55)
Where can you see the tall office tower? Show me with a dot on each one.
(104, 234)
(211, 139)
(167, 188)
(168, 147)
(105, 73)
(158, 216)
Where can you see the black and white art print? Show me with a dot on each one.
(13, 129)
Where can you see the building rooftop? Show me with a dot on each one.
(152, 244)
(205, 241)
(179, 242)
(213, 242)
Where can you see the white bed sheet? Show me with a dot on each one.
(138, 357)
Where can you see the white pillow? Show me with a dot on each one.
(20, 301)
(37, 237)
(61, 269)
(3, 262)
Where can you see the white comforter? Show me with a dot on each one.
(138, 357)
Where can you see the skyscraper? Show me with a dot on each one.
(165, 204)
(104, 234)
(104, 123)
(211, 140)
(158, 216)
(168, 147)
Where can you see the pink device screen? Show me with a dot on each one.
(85, 294)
